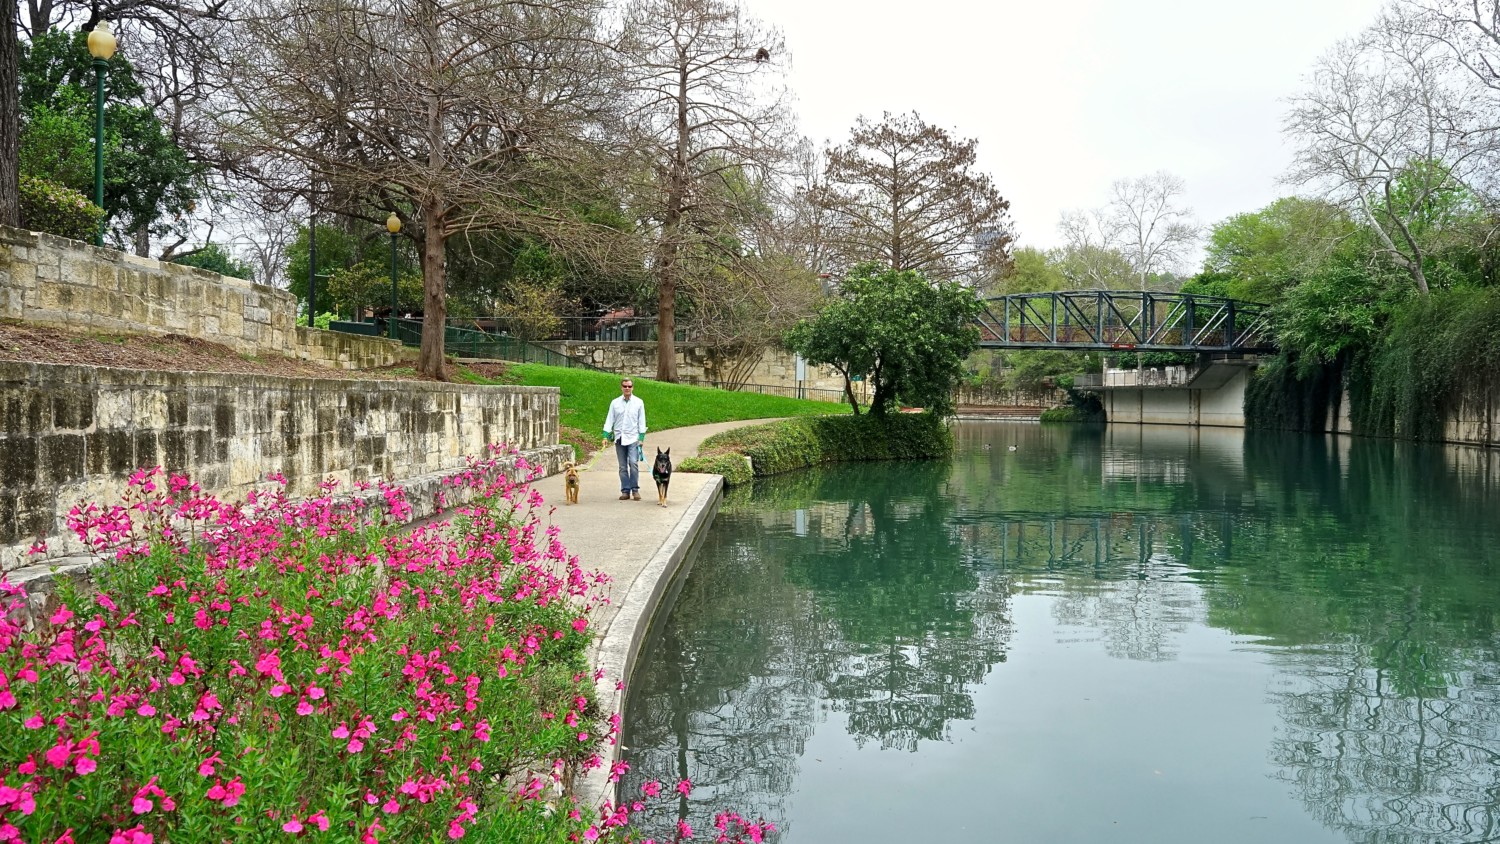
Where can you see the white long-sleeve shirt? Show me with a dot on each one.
(626, 421)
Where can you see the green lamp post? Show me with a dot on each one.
(393, 225)
(102, 48)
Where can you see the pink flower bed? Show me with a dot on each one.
(277, 669)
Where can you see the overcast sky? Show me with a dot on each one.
(1066, 97)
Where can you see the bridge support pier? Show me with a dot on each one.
(1211, 398)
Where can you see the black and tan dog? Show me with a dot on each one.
(570, 483)
(661, 471)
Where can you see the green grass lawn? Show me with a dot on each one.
(586, 396)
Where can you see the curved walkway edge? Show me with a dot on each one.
(641, 547)
(615, 651)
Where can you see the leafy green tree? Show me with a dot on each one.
(1267, 251)
(908, 334)
(337, 250)
(1032, 271)
(214, 257)
(1339, 308)
(149, 182)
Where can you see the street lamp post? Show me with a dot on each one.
(102, 48)
(393, 225)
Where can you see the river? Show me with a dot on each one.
(1073, 634)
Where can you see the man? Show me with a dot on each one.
(625, 424)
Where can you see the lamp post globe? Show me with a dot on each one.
(393, 225)
(102, 47)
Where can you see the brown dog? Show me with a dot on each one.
(570, 483)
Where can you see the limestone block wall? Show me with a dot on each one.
(775, 372)
(55, 281)
(997, 397)
(71, 433)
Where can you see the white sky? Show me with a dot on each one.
(1069, 95)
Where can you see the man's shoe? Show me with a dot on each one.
(624, 496)
(635, 496)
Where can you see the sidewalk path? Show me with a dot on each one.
(640, 546)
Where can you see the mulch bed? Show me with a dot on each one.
(37, 344)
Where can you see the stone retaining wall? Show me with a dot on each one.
(996, 397)
(774, 373)
(71, 433)
(48, 280)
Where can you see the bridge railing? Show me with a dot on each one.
(1105, 319)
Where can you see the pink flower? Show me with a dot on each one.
(293, 826)
(684, 787)
(84, 765)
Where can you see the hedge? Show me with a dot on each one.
(799, 443)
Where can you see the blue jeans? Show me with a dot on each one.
(630, 471)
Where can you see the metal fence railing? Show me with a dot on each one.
(468, 343)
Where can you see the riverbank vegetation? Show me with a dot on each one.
(586, 394)
(277, 668)
(772, 449)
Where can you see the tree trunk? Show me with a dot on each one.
(143, 240)
(666, 326)
(10, 117)
(849, 394)
(434, 289)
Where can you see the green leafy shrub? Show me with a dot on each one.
(56, 209)
(1072, 413)
(734, 467)
(321, 322)
(799, 443)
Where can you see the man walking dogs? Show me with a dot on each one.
(626, 425)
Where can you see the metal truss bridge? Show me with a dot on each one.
(1111, 320)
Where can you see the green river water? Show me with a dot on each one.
(1123, 634)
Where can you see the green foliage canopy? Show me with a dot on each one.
(908, 334)
(148, 179)
(214, 257)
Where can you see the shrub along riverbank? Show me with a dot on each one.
(1436, 353)
(762, 450)
(272, 669)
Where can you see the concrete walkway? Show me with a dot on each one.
(640, 546)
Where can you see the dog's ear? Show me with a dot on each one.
(658, 450)
(669, 451)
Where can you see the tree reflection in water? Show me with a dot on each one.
(881, 595)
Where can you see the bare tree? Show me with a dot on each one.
(1153, 231)
(908, 194)
(1090, 257)
(800, 225)
(704, 118)
(459, 115)
(1388, 129)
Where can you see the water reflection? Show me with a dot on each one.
(879, 604)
